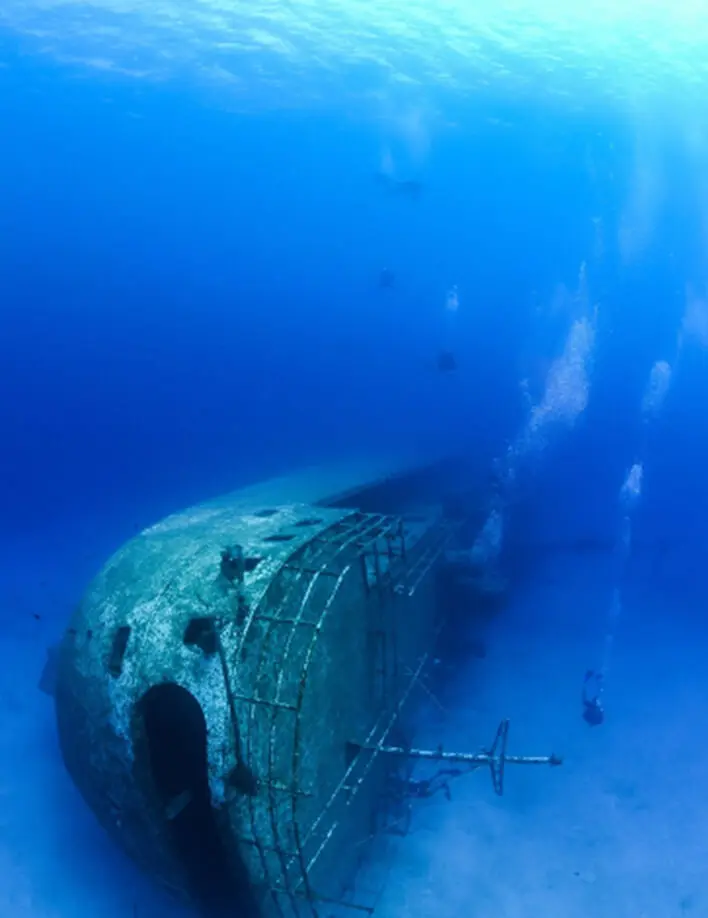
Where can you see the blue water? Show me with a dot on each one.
(190, 300)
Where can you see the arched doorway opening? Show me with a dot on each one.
(176, 734)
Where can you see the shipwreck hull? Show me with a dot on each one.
(227, 683)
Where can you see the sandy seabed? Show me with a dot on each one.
(618, 831)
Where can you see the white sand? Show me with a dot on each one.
(55, 860)
(618, 832)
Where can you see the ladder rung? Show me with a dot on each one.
(283, 621)
(268, 848)
(265, 701)
(298, 894)
(312, 571)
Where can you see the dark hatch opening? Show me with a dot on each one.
(177, 745)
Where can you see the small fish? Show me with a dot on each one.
(410, 188)
(447, 362)
(177, 805)
(386, 278)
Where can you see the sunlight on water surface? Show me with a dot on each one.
(299, 52)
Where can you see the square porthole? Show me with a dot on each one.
(201, 633)
(119, 645)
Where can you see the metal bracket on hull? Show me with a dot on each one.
(495, 757)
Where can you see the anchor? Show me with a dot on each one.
(495, 757)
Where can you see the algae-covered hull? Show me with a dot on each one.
(230, 677)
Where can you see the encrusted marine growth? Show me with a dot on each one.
(228, 683)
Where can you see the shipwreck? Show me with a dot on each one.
(236, 693)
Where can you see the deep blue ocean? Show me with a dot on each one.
(205, 283)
